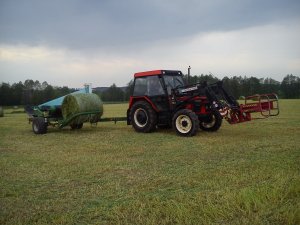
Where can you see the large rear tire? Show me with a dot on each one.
(143, 117)
(185, 122)
(39, 126)
(212, 122)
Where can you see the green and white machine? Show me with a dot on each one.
(71, 110)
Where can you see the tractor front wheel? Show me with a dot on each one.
(185, 122)
(143, 117)
(39, 126)
(212, 122)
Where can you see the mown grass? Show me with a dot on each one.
(109, 174)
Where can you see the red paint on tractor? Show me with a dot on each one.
(148, 73)
(133, 99)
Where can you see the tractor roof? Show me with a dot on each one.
(157, 72)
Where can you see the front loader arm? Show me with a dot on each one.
(220, 98)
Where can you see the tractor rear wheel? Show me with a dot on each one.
(185, 122)
(39, 126)
(212, 122)
(143, 117)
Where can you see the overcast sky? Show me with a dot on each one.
(72, 42)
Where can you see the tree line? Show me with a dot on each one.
(33, 92)
(30, 93)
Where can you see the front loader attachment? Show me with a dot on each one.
(266, 105)
(261, 106)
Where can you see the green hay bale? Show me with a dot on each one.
(77, 103)
(1, 111)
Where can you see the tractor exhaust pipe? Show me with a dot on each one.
(189, 74)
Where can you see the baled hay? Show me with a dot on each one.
(78, 103)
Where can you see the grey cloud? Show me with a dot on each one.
(112, 24)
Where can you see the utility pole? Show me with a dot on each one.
(189, 74)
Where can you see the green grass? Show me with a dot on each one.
(109, 174)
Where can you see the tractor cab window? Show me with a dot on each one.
(140, 86)
(173, 82)
(149, 86)
(154, 86)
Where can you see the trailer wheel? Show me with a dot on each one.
(185, 122)
(76, 126)
(39, 126)
(212, 123)
(143, 117)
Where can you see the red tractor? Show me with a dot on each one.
(161, 99)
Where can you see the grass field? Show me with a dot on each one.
(109, 174)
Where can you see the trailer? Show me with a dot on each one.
(70, 110)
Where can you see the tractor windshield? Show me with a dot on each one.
(173, 82)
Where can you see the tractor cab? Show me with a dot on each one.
(158, 82)
(156, 87)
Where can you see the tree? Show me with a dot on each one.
(29, 84)
(200, 78)
(233, 86)
(5, 94)
(113, 94)
(129, 90)
(290, 86)
(49, 93)
(253, 86)
(270, 85)
(30, 93)
(17, 93)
